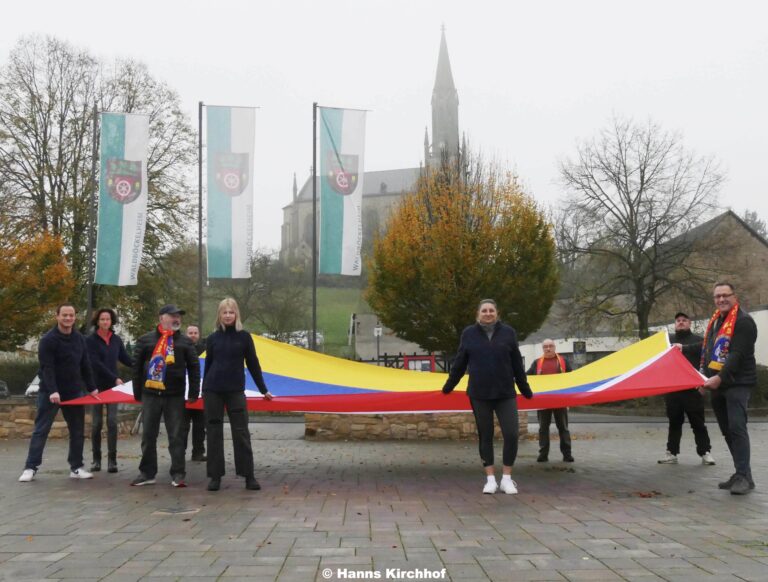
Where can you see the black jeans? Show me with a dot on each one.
(237, 411)
(171, 410)
(506, 412)
(561, 421)
(46, 414)
(680, 404)
(196, 420)
(97, 423)
(730, 408)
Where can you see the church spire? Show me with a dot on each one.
(295, 187)
(445, 106)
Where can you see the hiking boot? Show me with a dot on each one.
(142, 480)
(668, 459)
(214, 484)
(96, 466)
(707, 459)
(27, 475)
(252, 484)
(741, 485)
(80, 474)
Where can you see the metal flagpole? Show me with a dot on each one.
(313, 339)
(200, 216)
(92, 217)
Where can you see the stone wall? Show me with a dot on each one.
(17, 420)
(331, 427)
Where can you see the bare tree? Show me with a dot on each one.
(753, 220)
(633, 193)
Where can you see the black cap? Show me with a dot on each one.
(681, 314)
(171, 309)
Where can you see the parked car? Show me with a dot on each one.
(33, 388)
(4, 392)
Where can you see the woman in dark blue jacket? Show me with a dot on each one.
(224, 388)
(105, 349)
(489, 349)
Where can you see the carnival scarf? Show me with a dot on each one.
(722, 341)
(162, 357)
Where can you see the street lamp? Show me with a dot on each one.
(377, 335)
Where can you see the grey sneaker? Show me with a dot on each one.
(741, 485)
(143, 480)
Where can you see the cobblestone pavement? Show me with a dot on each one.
(394, 510)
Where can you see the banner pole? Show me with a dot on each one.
(313, 339)
(200, 217)
(92, 218)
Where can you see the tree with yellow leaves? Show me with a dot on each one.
(468, 232)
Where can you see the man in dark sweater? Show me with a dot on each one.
(193, 418)
(65, 374)
(163, 359)
(686, 402)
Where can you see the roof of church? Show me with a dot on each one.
(375, 183)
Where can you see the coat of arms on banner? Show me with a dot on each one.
(231, 171)
(342, 173)
(123, 180)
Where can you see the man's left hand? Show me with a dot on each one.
(712, 383)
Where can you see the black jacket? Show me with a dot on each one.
(495, 365)
(688, 338)
(186, 363)
(224, 356)
(104, 358)
(64, 365)
(740, 367)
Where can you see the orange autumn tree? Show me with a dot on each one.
(468, 232)
(34, 278)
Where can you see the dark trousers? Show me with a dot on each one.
(46, 413)
(730, 407)
(680, 404)
(506, 412)
(237, 411)
(196, 420)
(561, 421)
(97, 423)
(171, 410)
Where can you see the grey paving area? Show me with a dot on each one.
(394, 510)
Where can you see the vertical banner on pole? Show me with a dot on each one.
(230, 144)
(122, 198)
(342, 140)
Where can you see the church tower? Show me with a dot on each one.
(445, 108)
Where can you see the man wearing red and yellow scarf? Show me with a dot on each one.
(728, 362)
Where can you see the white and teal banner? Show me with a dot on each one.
(122, 198)
(342, 141)
(230, 144)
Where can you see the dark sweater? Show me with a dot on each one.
(495, 364)
(224, 356)
(64, 365)
(104, 358)
(688, 338)
(185, 363)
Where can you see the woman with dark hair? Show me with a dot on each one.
(224, 388)
(105, 349)
(489, 348)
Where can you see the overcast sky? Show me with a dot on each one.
(534, 78)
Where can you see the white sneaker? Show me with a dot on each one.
(491, 487)
(707, 459)
(669, 459)
(80, 474)
(508, 486)
(27, 475)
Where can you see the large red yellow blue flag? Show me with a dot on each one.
(304, 381)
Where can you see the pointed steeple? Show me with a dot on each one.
(295, 187)
(445, 106)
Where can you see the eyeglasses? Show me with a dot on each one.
(722, 296)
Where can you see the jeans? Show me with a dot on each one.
(561, 421)
(97, 422)
(237, 411)
(46, 413)
(171, 410)
(506, 412)
(195, 419)
(730, 408)
(680, 404)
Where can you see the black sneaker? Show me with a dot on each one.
(214, 484)
(568, 459)
(95, 466)
(142, 480)
(542, 459)
(727, 484)
(112, 466)
(741, 485)
(202, 458)
(252, 484)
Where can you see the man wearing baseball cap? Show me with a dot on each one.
(163, 360)
(686, 402)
